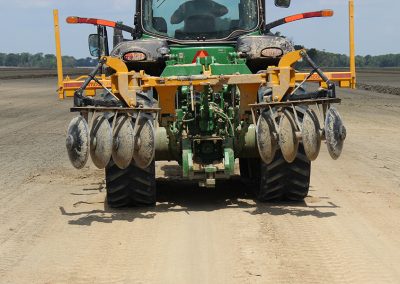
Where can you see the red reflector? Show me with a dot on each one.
(200, 54)
(341, 75)
(134, 56)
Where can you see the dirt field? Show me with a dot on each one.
(55, 228)
(23, 73)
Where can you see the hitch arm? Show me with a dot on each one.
(80, 100)
(329, 83)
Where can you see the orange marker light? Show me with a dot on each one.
(327, 13)
(72, 20)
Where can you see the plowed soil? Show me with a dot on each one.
(55, 227)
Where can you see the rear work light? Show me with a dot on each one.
(271, 52)
(134, 56)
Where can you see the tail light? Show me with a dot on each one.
(134, 56)
(272, 52)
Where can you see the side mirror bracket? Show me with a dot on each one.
(98, 43)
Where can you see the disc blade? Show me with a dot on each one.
(123, 145)
(144, 141)
(78, 142)
(101, 142)
(310, 134)
(288, 141)
(335, 133)
(266, 141)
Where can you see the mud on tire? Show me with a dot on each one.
(130, 187)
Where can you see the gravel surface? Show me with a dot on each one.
(55, 227)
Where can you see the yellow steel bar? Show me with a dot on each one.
(149, 81)
(333, 76)
(58, 54)
(352, 45)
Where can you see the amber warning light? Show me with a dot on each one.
(72, 20)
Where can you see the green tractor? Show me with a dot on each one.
(204, 83)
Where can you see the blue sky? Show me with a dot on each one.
(26, 25)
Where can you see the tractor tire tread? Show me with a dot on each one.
(130, 187)
(284, 181)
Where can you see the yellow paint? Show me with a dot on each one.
(248, 95)
(282, 79)
(289, 59)
(166, 99)
(115, 63)
(58, 54)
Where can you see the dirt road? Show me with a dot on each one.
(54, 227)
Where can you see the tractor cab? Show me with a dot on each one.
(199, 20)
(170, 33)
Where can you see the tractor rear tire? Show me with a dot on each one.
(130, 187)
(281, 180)
(249, 169)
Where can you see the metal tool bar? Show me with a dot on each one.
(290, 103)
(114, 109)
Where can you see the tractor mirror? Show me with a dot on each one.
(282, 3)
(95, 45)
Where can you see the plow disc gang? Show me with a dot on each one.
(266, 137)
(78, 142)
(310, 134)
(335, 133)
(288, 140)
(123, 142)
(144, 143)
(100, 142)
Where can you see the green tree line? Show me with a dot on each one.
(322, 58)
(40, 60)
(329, 59)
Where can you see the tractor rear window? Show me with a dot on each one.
(199, 19)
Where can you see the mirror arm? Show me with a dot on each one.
(297, 17)
(104, 23)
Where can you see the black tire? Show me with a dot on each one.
(281, 180)
(130, 187)
(249, 171)
(244, 168)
